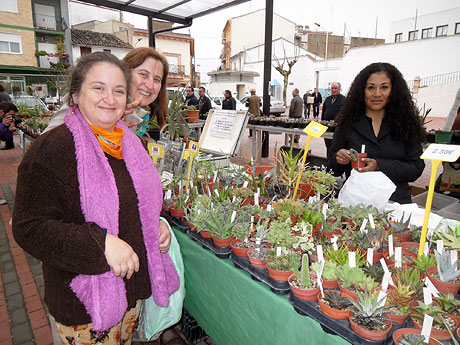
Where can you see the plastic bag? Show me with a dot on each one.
(369, 188)
(154, 319)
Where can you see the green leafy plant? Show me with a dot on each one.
(303, 276)
(447, 269)
(400, 226)
(290, 207)
(410, 277)
(450, 238)
(305, 241)
(340, 256)
(412, 339)
(355, 279)
(374, 271)
(281, 262)
(448, 303)
(329, 269)
(280, 235)
(177, 126)
(289, 165)
(335, 300)
(353, 155)
(419, 311)
(243, 193)
(423, 262)
(368, 311)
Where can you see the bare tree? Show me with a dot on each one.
(279, 66)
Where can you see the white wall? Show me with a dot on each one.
(118, 52)
(249, 30)
(432, 20)
(439, 98)
(176, 47)
(217, 89)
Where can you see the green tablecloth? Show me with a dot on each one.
(234, 309)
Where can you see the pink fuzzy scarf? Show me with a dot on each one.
(104, 295)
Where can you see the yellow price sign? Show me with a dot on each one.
(437, 153)
(193, 150)
(156, 151)
(315, 129)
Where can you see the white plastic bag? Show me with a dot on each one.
(154, 319)
(369, 188)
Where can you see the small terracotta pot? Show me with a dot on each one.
(407, 244)
(391, 263)
(330, 234)
(349, 293)
(404, 237)
(237, 250)
(279, 275)
(303, 294)
(192, 116)
(328, 284)
(396, 318)
(369, 335)
(257, 263)
(402, 331)
(248, 201)
(205, 234)
(177, 213)
(332, 312)
(191, 226)
(359, 163)
(166, 208)
(316, 230)
(259, 169)
(446, 288)
(376, 257)
(294, 221)
(436, 333)
(219, 242)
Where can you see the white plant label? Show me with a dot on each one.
(256, 199)
(398, 257)
(454, 257)
(187, 191)
(319, 251)
(363, 225)
(440, 246)
(371, 221)
(363, 148)
(217, 192)
(269, 208)
(370, 256)
(382, 299)
(258, 241)
(180, 185)
(425, 249)
(384, 266)
(246, 240)
(245, 184)
(324, 210)
(386, 281)
(430, 285)
(191, 183)
(198, 211)
(278, 251)
(168, 194)
(234, 199)
(390, 245)
(427, 325)
(352, 259)
(233, 217)
(334, 242)
(320, 283)
(427, 299)
(209, 191)
(186, 199)
(215, 177)
(258, 190)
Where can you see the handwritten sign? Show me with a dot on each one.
(442, 152)
(222, 123)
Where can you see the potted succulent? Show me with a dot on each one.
(368, 317)
(329, 274)
(442, 322)
(407, 258)
(353, 280)
(302, 284)
(410, 277)
(424, 262)
(334, 304)
(245, 194)
(241, 232)
(356, 159)
(449, 304)
(303, 240)
(192, 114)
(219, 224)
(259, 252)
(179, 206)
(288, 208)
(401, 230)
(445, 275)
(399, 297)
(410, 336)
(279, 266)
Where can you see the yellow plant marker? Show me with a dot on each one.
(314, 129)
(193, 150)
(437, 153)
(156, 151)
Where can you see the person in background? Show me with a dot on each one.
(253, 105)
(331, 107)
(88, 209)
(306, 105)
(190, 99)
(7, 124)
(295, 109)
(204, 104)
(4, 97)
(379, 113)
(229, 102)
(317, 100)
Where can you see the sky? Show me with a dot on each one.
(359, 16)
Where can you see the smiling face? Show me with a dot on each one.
(335, 90)
(377, 92)
(102, 96)
(146, 81)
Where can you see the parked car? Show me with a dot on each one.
(216, 103)
(31, 102)
(276, 106)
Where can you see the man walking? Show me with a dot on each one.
(204, 103)
(306, 105)
(229, 102)
(253, 106)
(295, 109)
(331, 108)
(316, 102)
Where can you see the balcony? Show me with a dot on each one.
(42, 21)
(177, 69)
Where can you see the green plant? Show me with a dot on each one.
(419, 311)
(447, 269)
(375, 272)
(289, 165)
(288, 206)
(305, 241)
(218, 219)
(303, 276)
(177, 126)
(448, 303)
(410, 277)
(281, 262)
(335, 299)
(450, 238)
(401, 294)
(353, 155)
(243, 193)
(40, 53)
(412, 339)
(400, 226)
(280, 235)
(329, 269)
(423, 262)
(355, 279)
(368, 311)
(340, 256)
(320, 180)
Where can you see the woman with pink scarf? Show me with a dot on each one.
(88, 205)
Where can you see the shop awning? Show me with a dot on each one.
(275, 83)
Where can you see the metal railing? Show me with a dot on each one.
(47, 22)
(176, 69)
(439, 79)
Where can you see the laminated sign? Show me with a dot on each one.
(222, 123)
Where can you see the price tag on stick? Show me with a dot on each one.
(319, 251)
(427, 299)
(426, 328)
(398, 257)
(370, 256)
(352, 259)
(390, 245)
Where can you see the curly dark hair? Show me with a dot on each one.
(401, 113)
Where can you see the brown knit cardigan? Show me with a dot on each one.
(49, 224)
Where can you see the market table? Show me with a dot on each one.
(234, 309)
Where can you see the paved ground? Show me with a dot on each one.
(23, 316)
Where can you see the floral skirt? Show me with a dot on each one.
(121, 333)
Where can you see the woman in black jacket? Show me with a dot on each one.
(380, 114)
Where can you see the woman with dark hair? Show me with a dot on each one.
(88, 205)
(380, 114)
